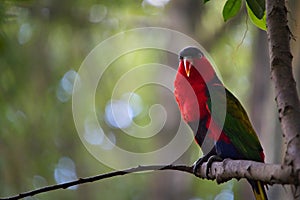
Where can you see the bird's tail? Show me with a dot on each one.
(259, 191)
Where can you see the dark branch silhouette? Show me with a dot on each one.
(221, 171)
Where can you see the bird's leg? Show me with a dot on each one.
(210, 161)
(203, 159)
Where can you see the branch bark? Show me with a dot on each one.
(287, 99)
(220, 171)
(268, 173)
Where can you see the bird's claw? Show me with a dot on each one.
(197, 165)
(213, 158)
(209, 161)
(203, 159)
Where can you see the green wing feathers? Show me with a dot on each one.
(237, 126)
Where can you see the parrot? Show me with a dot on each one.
(235, 138)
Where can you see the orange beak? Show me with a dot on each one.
(187, 62)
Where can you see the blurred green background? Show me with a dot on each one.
(42, 45)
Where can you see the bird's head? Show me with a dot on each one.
(194, 65)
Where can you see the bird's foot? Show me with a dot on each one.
(213, 158)
(199, 162)
(203, 159)
(197, 165)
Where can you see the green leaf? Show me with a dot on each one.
(231, 8)
(260, 23)
(258, 7)
(205, 1)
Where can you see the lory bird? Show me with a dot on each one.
(235, 138)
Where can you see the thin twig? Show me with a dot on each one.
(99, 177)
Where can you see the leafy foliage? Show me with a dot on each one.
(256, 11)
(260, 23)
(231, 8)
(258, 7)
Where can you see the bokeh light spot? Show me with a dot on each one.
(156, 3)
(39, 181)
(118, 114)
(25, 33)
(65, 88)
(97, 13)
(135, 102)
(225, 195)
(65, 171)
(67, 81)
(109, 142)
(93, 133)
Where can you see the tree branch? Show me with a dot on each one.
(285, 87)
(268, 173)
(221, 171)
